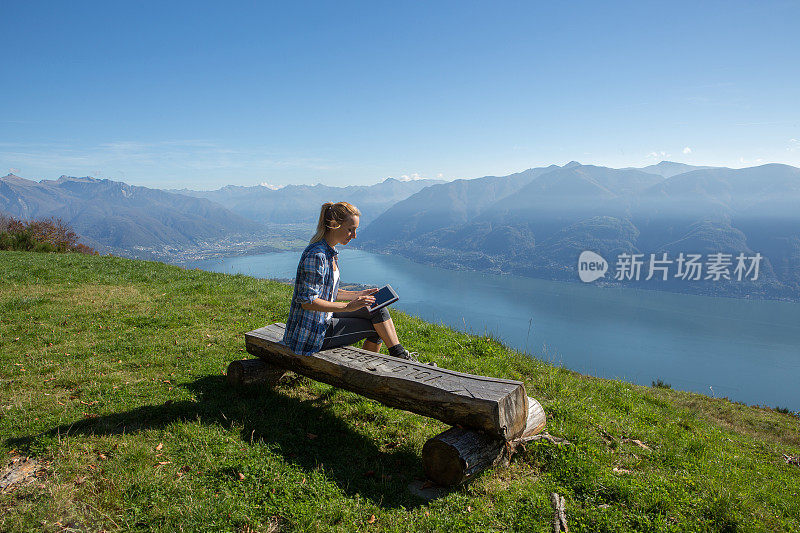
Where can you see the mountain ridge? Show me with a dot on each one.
(112, 215)
(548, 221)
(290, 203)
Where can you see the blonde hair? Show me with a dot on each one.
(331, 216)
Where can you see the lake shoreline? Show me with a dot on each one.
(601, 283)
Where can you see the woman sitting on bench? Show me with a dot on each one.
(317, 321)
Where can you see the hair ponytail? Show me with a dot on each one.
(331, 216)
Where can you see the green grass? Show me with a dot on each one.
(111, 375)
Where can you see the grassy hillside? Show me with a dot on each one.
(111, 378)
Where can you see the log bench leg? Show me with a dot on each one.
(458, 454)
(252, 372)
(452, 457)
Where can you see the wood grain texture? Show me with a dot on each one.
(454, 456)
(496, 406)
(536, 419)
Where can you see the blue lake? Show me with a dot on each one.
(746, 350)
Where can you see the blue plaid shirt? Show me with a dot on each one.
(305, 330)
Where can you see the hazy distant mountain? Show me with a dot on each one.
(114, 215)
(566, 196)
(444, 205)
(549, 216)
(546, 198)
(744, 189)
(300, 203)
(667, 169)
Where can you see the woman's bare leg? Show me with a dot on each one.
(386, 332)
(372, 346)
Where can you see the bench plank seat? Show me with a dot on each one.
(497, 406)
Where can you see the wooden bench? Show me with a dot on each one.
(487, 412)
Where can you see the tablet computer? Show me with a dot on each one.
(385, 296)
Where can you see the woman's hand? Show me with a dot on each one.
(367, 292)
(358, 303)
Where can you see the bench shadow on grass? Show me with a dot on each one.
(351, 460)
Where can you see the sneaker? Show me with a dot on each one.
(414, 356)
(411, 356)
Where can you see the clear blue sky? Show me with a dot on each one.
(200, 95)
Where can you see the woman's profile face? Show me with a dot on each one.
(347, 231)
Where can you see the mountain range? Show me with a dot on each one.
(536, 223)
(532, 223)
(295, 203)
(115, 217)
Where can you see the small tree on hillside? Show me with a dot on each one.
(45, 235)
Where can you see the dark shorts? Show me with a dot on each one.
(352, 326)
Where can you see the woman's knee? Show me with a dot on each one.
(381, 315)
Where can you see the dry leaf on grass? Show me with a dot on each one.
(639, 443)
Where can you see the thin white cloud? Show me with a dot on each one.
(169, 160)
(687, 150)
(658, 155)
(751, 162)
(774, 123)
(415, 176)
